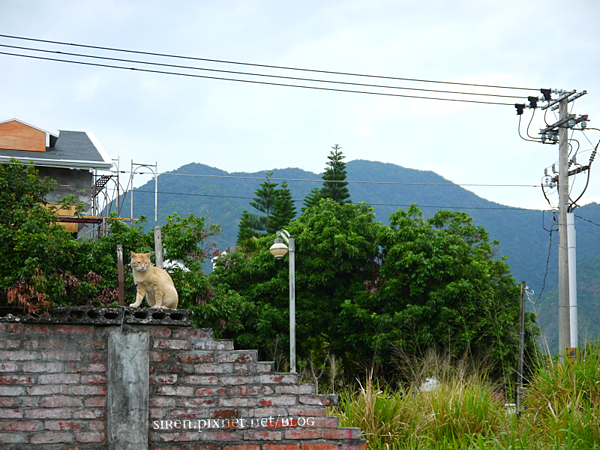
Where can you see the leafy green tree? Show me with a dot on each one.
(187, 244)
(439, 286)
(36, 250)
(284, 210)
(334, 186)
(335, 251)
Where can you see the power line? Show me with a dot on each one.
(372, 204)
(220, 61)
(547, 265)
(259, 74)
(237, 177)
(190, 75)
(587, 220)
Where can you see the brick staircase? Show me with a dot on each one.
(205, 394)
(149, 386)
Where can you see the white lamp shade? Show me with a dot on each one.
(278, 250)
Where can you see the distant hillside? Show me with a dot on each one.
(222, 196)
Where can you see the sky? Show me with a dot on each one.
(244, 127)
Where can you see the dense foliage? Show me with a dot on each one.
(35, 250)
(43, 265)
(367, 293)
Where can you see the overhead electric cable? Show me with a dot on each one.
(316, 180)
(372, 204)
(320, 180)
(176, 66)
(587, 220)
(547, 265)
(220, 61)
(252, 81)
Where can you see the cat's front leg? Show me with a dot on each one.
(141, 292)
(158, 296)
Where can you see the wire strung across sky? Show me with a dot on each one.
(271, 83)
(263, 65)
(319, 180)
(371, 204)
(176, 66)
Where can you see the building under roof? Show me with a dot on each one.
(72, 158)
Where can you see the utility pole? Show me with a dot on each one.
(521, 348)
(553, 134)
(564, 321)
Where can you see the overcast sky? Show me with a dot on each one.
(176, 120)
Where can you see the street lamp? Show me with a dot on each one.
(278, 250)
(155, 173)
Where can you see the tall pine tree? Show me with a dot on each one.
(284, 210)
(252, 224)
(265, 197)
(334, 186)
(312, 199)
(246, 228)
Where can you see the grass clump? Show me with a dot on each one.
(452, 405)
(563, 402)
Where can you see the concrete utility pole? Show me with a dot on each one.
(564, 321)
(552, 134)
(572, 242)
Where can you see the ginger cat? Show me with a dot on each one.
(153, 283)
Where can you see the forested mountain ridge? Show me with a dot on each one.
(522, 234)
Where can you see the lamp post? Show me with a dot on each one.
(155, 173)
(279, 250)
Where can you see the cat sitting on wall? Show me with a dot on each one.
(153, 283)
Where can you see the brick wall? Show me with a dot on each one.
(52, 386)
(203, 394)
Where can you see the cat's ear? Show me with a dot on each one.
(149, 254)
(132, 253)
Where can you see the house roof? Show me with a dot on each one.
(70, 149)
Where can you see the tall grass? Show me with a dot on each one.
(462, 409)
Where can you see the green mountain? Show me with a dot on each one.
(522, 234)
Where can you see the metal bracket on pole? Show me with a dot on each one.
(564, 96)
(573, 98)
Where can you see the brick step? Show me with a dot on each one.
(54, 392)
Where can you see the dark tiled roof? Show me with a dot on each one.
(73, 146)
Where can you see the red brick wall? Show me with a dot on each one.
(52, 386)
(203, 394)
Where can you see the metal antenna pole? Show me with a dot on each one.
(131, 191)
(156, 191)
